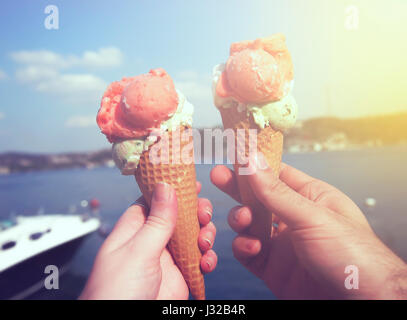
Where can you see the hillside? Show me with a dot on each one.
(316, 134)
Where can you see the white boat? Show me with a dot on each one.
(30, 244)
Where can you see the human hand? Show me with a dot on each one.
(321, 232)
(133, 262)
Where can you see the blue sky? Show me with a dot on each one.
(51, 81)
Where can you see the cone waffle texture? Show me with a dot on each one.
(182, 177)
(267, 141)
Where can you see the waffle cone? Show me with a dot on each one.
(181, 175)
(270, 143)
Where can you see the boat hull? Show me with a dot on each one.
(27, 277)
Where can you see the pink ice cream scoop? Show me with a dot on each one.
(133, 107)
(257, 71)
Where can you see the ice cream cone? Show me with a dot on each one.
(180, 174)
(270, 143)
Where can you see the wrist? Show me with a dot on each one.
(393, 286)
(399, 284)
(385, 279)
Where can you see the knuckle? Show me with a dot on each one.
(252, 246)
(232, 215)
(211, 227)
(315, 189)
(324, 195)
(308, 189)
(207, 201)
(246, 214)
(157, 222)
(234, 209)
(275, 187)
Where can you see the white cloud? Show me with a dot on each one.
(32, 74)
(80, 122)
(41, 58)
(74, 88)
(45, 71)
(2, 115)
(72, 84)
(104, 57)
(3, 75)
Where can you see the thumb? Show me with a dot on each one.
(290, 206)
(160, 223)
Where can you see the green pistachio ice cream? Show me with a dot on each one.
(280, 114)
(126, 153)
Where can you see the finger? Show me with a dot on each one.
(209, 261)
(320, 192)
(300, 182)
(290, 206)
(160, 224)
(198, 187)
(206, 237)
(127, 226)
(332, 198)
(293, 177)
(225, 179)
(245, 247)
(204, 211)
(172, 289)
(240, 218)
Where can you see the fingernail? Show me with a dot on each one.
(208, 211)
(162, 192)
(208, 242)
(236, 215)
(209, 264)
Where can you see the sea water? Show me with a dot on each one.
(378, 173)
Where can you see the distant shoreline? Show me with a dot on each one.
(29, 162)
(313, 135)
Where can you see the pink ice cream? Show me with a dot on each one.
(133, 107)
(257, 71)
